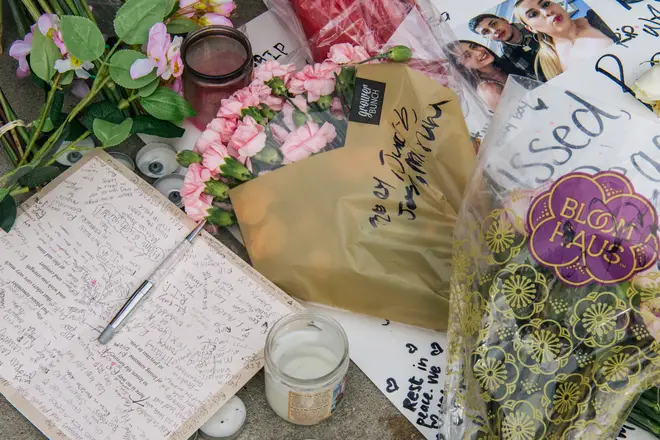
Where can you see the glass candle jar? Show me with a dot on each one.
(217, 62)
(306, 364)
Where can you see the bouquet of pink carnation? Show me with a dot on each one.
(282, 117)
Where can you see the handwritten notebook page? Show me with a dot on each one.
(77, 251)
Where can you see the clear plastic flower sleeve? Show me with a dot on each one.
(555, 290)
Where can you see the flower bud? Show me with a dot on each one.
(235, 169)
(220, 217)
(255, 114)
(217, 189)
(269, 155)
(400, 53)
(299, 117)
(277, 86)
(325, 102)
(188, 157)
(267, 112)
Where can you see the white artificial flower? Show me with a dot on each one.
(73, 63)
(647, 87)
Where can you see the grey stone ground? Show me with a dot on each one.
(365, 413)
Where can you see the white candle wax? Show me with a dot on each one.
(227, 423)
(306, 364)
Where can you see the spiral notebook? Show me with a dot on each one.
(78, 249)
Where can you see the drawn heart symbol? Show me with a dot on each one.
(391, 385)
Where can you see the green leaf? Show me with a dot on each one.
(172, 6)
(48, 125)
(135, 18)
(3, 193)
(38, 81)
(104, 110)
(112, 134)
(7, 213)
(120, 67)
(147, 124)
(67, 78)
(39, 176)
(167, 104)
(81, 36)
(43, 55)
(181, 26)
(20, 172)
(76, 129)
(56, 106)
(149, 88)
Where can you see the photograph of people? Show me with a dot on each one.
(484, 70)
(519, 46)
(564, 42)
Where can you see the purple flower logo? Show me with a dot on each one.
(593, 229)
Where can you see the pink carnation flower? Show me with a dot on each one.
(194, 182)
(263, 94)
(204, 142)
(346, 53)
(214, 156)
(231, 107)
(248, 139)
(307, 140)
(317, 80)
(197, 207)
(223, 126)
(271, 69)
(287, 111)
(336, 109)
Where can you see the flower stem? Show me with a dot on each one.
(32, 9)
(9, 113)
(9, 150)
(70, 147)
(73, 8)
(45, 6)
(19, 190)
(56, 7)
(74, 112)
(88, 12)
(19, 20)
(42, 118)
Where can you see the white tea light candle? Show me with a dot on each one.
(306, 364)
(227, 423)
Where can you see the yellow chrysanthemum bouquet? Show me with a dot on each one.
(554, 324)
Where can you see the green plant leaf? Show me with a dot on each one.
(181, 26)
(167, 105)
(82, 37)
(67, 78)
(3, 193)
(38, 81)
(76, 129)
(56, 106)
(104, 110)
(43, 55)
(120, 67)
(20, 172)
(48, 125)
(172, 7)
(7, 213)
(39, 176)
(135, 18)
(112, 134)
(149, 88)
(147, 124)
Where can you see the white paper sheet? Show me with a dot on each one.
(75, 254)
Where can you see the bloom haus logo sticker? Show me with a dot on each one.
(593, 228)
